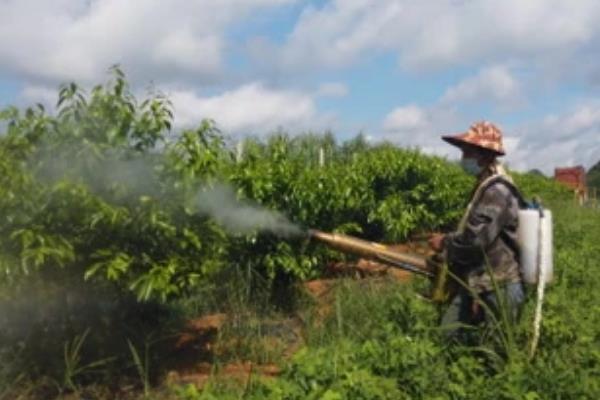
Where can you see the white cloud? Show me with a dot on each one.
(566, 139)
(435, 35)
(153, 40)
(252, 108)
(511, 144)
(468, 31)
(182, 50)
(414, 126)
(555, 140)
(337, 33)
(332, 89)
(584, 118)
(249, 109)
(408, 118)
(491, 85)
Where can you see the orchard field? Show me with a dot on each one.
(116, 231)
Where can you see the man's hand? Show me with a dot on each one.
(436, 242)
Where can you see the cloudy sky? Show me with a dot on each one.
(400, 70)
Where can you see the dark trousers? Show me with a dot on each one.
(464, 310)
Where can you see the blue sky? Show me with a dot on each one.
(9, 90)
(397, 70)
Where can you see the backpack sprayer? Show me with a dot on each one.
(534, 238)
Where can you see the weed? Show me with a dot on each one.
(73, 367)
(142, 364)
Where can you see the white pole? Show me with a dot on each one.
(239, 151)
(321, 157)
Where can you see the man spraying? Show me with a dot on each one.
(485, 243)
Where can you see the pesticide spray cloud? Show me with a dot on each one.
(134, 174)
(221, 203)
(137, 176)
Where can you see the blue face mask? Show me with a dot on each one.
(470, 166)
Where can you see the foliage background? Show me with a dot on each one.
(593, 176)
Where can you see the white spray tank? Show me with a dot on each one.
(534, 234)
(535, 238)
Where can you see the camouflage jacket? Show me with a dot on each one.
(488, 235)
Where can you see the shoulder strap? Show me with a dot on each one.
(510, 185)
(483, 186)
(502, 179)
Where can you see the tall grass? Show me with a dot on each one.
(390, 331)
(142, 364)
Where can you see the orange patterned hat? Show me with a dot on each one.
(482, 134)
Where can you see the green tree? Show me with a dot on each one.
(593, 176)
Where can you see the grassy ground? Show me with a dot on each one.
(381, 340)
(366, 339)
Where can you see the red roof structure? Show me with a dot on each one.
(573, 178)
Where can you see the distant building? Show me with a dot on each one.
(573, 178)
